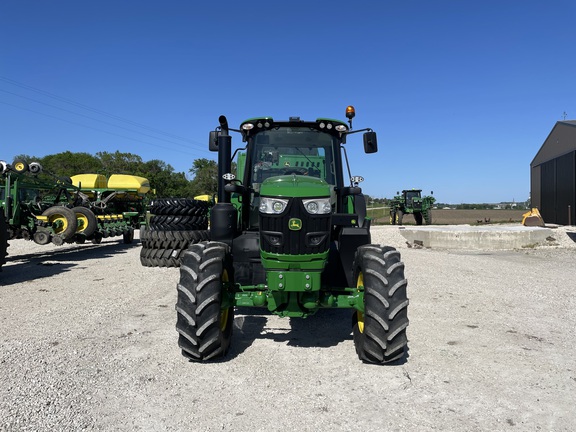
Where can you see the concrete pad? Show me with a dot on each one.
(469, 237)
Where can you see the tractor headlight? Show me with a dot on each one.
(317, 205)
(273, 205)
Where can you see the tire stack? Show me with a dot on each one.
(175, 224)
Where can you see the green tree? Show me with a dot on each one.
(24, 157)
(67, 164)
(165, 181)
(161, 175)
(205, 181)
(119, 163)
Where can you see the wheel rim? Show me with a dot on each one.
(360, 315)
(19, 166)
(60, 222)
(224, 313)
(82, 222)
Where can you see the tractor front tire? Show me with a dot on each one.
(400, 216)
(380, 331)
(428, 217)
(203, 324)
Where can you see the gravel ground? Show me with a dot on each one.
(88, 343)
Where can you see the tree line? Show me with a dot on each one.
(163, 179)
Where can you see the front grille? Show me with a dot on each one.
(417, 205)
(277, 237)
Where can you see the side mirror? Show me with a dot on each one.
(236, 188)
(370, 142)
(213, 141)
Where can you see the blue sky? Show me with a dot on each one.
(462, 94)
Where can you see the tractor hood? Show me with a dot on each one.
(295, 186)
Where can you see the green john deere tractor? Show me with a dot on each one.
(288, 233)
(411, 202)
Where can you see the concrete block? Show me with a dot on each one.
(477, 238)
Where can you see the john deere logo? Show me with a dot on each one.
(295, 224)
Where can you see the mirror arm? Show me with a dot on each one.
(359, 130)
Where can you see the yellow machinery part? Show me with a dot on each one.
(203, 197)
(90, 181)
(116, 181)
(124, 181)
(532, 218)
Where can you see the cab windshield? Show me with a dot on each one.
(410, 195)
(292, 150)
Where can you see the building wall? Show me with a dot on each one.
(566, 189)
(560, 141)
(558, 190)
(553, 176)
(535, 191)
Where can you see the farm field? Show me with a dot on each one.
(454, 217)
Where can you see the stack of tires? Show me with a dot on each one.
(175, 224)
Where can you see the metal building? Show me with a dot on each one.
(553, 175)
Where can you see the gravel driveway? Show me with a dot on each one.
(88, 343)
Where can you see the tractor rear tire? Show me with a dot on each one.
(393, 218)
(194, 236)
(160, 257)
(204, 326)
(380, 331)
(179, 206)
(3, 239)
(165, 248)
(67, 218)
(177, 222)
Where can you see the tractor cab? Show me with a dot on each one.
(412, 199)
